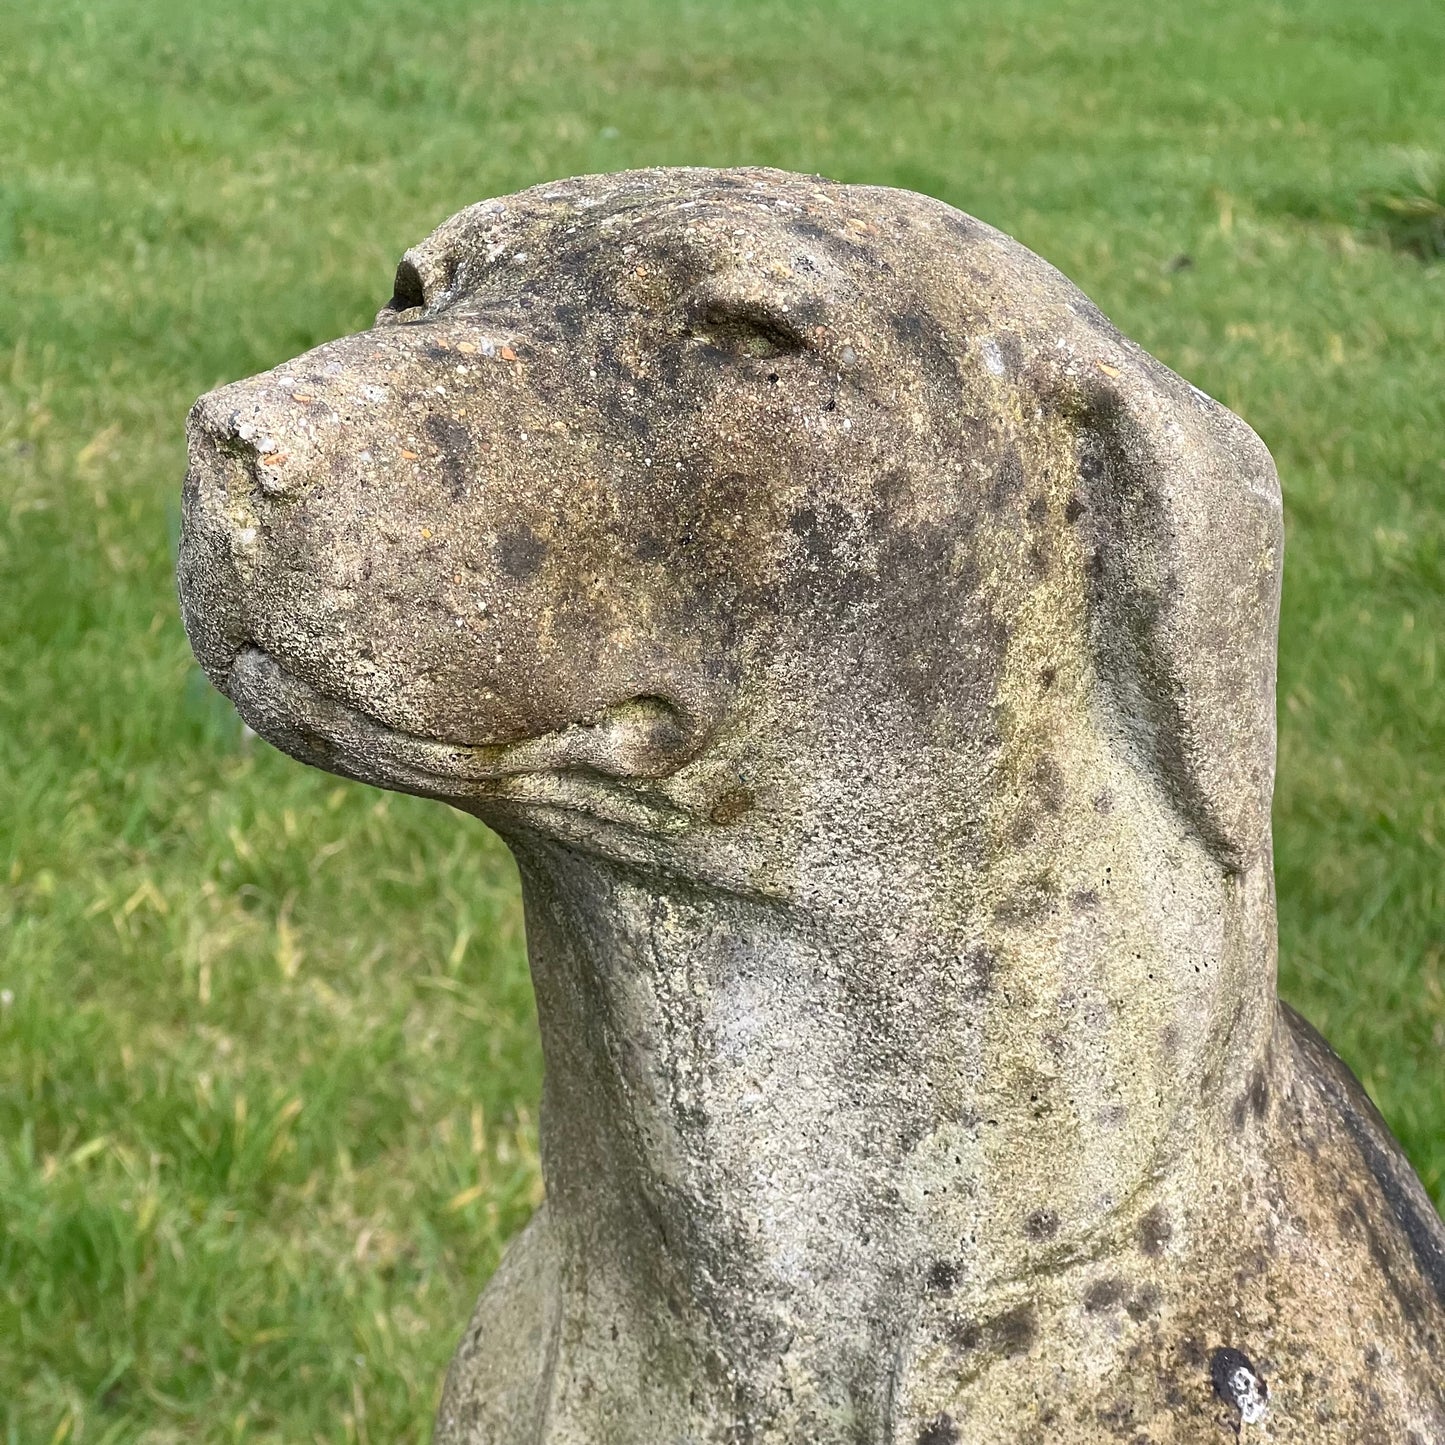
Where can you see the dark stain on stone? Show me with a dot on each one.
(979, 968)
(731, 805)
(1038, 509)
(944, 659)
(964, 227)
(1258, 1094)
(520, 553)
(1154, 1231)
(1010, 1333)
(571, 317)
(942, 1277)
(1048, 781)
(924, 343)
(1008, 480)
(1118, 1417)
(1192, 1353)
(1084, 900)
(1042, 1224)
(1047, 677)
(1237, 1114)
(815, 536)
(939, 1431)
(453, 443)
(1144, 1302)
(1014, 1331)
(1028, 902)
(1103, 1294)
(1074, 508)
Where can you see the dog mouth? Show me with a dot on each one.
(564, 770)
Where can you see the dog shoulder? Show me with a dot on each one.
(499, 1372)
(1398, 1199)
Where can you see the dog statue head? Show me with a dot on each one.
(683, 494)
(868, 652)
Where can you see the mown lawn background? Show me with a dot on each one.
(268, 1073)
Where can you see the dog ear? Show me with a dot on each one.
(1184, 537)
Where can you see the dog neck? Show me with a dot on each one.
(947, 1075)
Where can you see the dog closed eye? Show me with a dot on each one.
(748, 329)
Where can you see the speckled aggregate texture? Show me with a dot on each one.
(868, 654)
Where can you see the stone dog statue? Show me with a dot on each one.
(868, 654)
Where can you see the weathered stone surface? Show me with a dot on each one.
(868, 654)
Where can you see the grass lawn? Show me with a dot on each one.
(268, 1073)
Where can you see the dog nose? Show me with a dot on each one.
(240, 461)
(241, 427)
(213, 517)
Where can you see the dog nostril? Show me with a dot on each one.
(264, 455)
(271, 472)
(249, 440)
